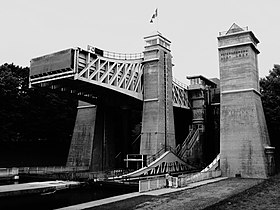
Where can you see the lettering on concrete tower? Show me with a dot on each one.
(243, 131)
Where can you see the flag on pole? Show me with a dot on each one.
(154, 16)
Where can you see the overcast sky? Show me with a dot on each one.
(32, 28)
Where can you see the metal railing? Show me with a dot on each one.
(180, 84)
(123, 56)
(223, 33)
(164, 149)
(180, 146)
(51, 169)
(188, 143)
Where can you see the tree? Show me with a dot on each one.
(28, 114)
(13, 86)
(270, 90)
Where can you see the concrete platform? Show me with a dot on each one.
(35, 187)
(131, 195)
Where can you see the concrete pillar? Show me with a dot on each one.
(243, 131)
(80, 152)
(105, 138)
(158, 118)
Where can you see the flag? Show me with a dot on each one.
(154, 16)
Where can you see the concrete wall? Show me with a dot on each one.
(157, 66)
(80, 151)
(243, 135)
(243, 132)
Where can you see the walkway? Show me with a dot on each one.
(35, 187)
(195, 196)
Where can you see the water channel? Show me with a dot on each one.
(62, 198)
(37, 154)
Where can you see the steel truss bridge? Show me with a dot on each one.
(73, 69)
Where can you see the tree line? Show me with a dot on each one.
(270, 90)
(30, 114)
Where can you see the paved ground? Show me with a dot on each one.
(195, 196)
(227, 194)
(200, 197)
(263, 196)
(34, 187)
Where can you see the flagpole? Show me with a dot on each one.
(155, 20)
(157, 24)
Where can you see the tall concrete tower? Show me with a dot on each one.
(243, 131)
(158, 119)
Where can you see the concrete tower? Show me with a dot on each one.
(243, 131)
(158, 119)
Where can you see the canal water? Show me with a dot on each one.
(63, 198)
(38, 154)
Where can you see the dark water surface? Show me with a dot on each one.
(48, 154)
(63, 198)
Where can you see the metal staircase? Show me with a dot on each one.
(188, 144)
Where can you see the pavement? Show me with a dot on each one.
(158, 192)
(35, 187)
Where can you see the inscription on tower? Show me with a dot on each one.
(243, 132)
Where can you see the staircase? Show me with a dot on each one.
(188, 144)
(181, 150)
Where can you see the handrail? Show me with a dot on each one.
(216, 160)
(115, 55)
(155, 156)
(189, 136)
(180, 84)
(123, 56)
(160, 152)
(223, 33)
(136, 139)
(188, 143)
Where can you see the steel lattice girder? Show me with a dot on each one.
(120, 75)
(180, 96)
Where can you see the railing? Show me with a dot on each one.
(180, 84)
(160, 152)
(188, 143)
(156, 156)
(123, 56)
(214, 162)
(8, 172)
(51, 169)
(235, 30)
(109, 174)
(179, 147)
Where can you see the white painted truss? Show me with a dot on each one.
(180, 95)
(122, 75)
(115, 71)
(116, 74)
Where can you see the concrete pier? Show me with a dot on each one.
(158, 117)
(243, 131)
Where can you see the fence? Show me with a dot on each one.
(8, 172)
(175, 182)
(184, 180)
(51, 169)
(153, 183)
